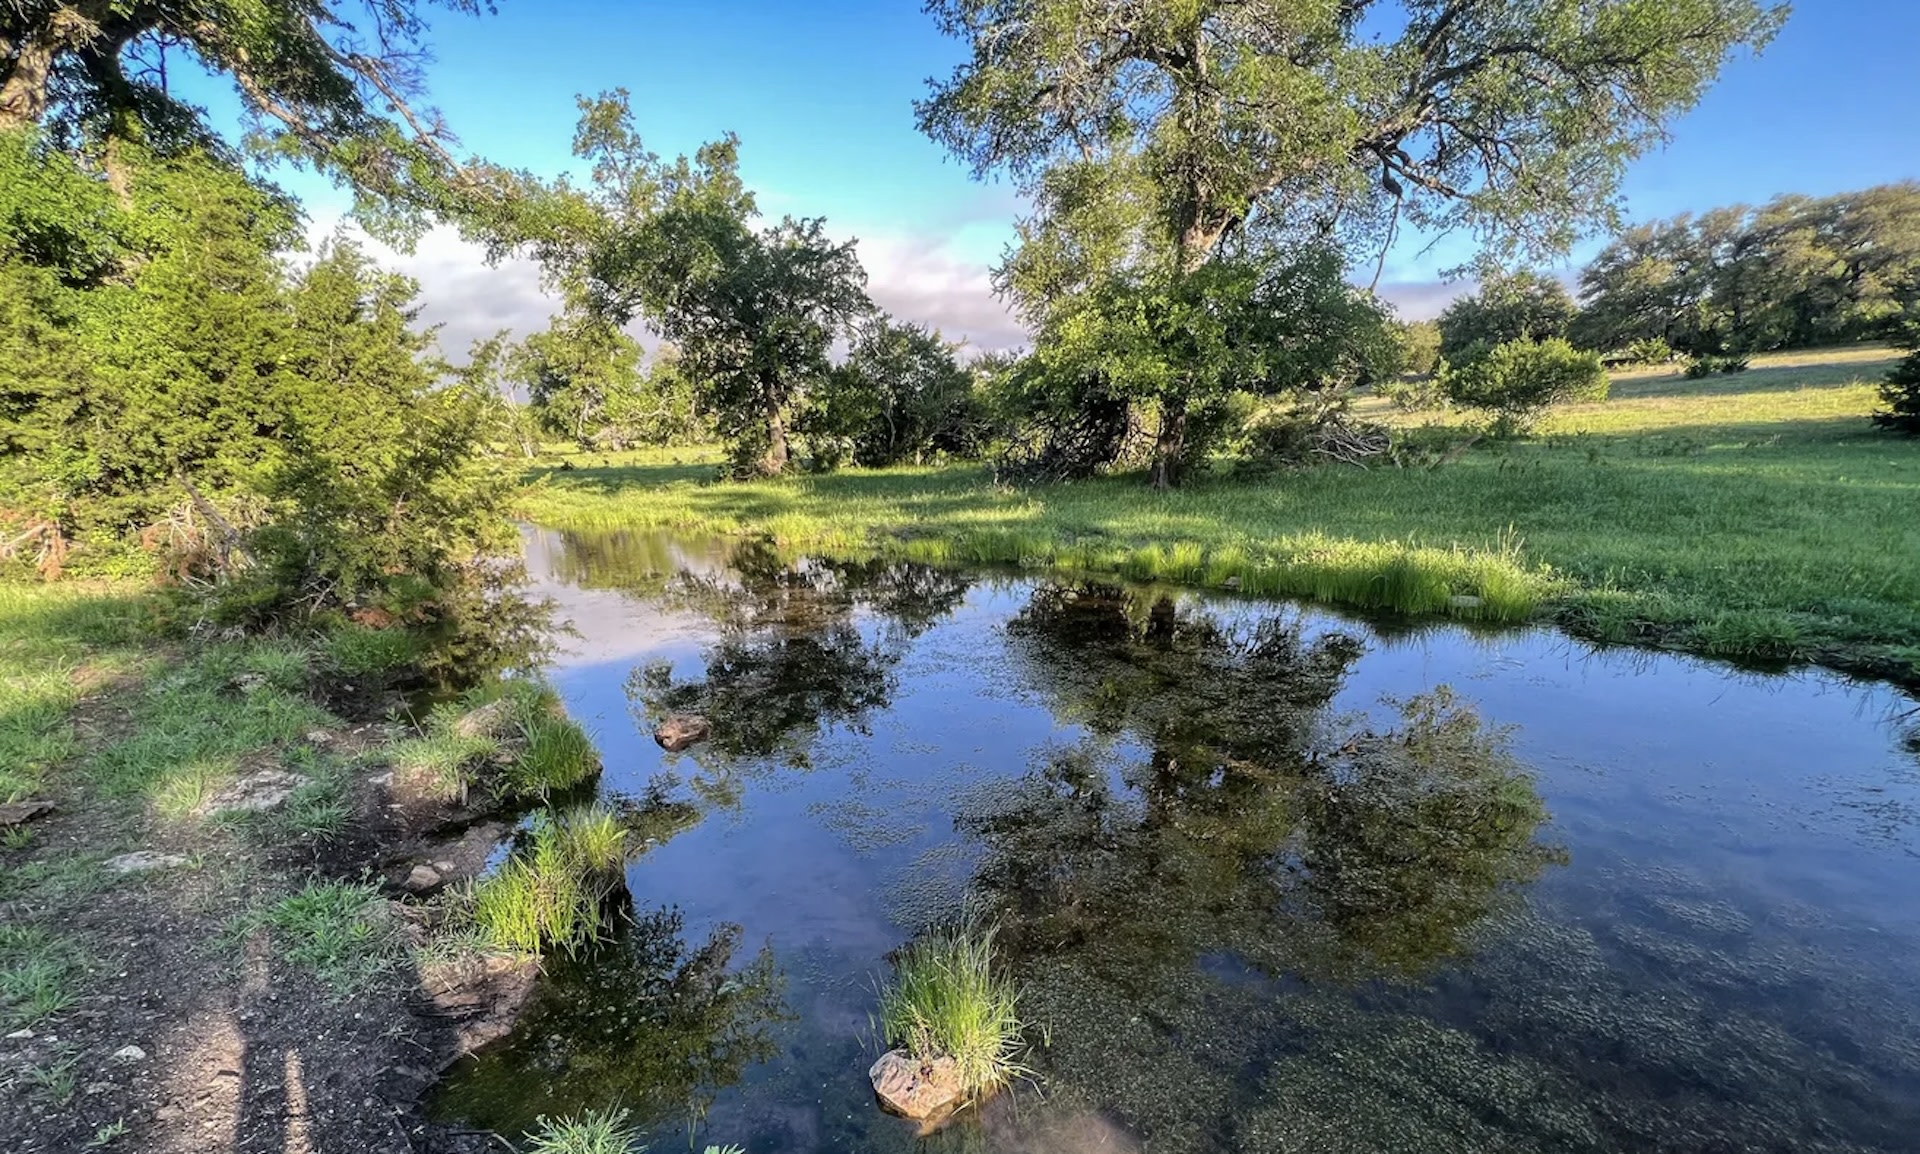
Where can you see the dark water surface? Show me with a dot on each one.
(1274, 879)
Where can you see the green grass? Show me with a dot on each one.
(39, 975)
(338, 931)
(51, 638)
(595, 1132)
(513, 734)
(549, 894)
(945, 1000)
(440, 764)
(555, 755)
(1751, 515)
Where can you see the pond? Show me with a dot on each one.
(1273, 878)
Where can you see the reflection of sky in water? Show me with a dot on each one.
(1727, 953)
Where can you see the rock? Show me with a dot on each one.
(487, 721)
(1464, 601)
(319, 737)
(21, 1035)
(681, 731)
(423, 878)
(257, 792)
(1230, 583)
(923, 1091)
(129, 1054)
(444, 868)
(166, 1113)
(142, 861)
(21, 812)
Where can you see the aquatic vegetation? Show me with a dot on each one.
(945, 999)
(595, 1132)
(648, 1019)
(555, 755)
(552, 891)
(511, 736)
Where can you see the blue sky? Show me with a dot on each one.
(820, 94)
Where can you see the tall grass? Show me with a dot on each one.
(595, 1132)
(944, 1000)
(513, 735)
(551, 892)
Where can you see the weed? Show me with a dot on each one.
(594, 1132)
(441, 763)
(340, 931)
(16, 838)
(551, 893)
(359, 651)
(38, 973)
(58, 1078)
(108, 1134)
(555, 755)
(945, 1000)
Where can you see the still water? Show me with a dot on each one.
(1273, 878)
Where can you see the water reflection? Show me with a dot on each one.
(644, 1021)
(1272, 885)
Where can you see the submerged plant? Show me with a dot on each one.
(946, 1001)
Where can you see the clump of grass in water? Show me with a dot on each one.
(945, 1001)
(556, 756)
(595, 1132)
(440, 764)
(551, 893)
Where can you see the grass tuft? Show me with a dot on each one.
(555, 756)
(945, 1001)
(340, 931)
(39, 973)
(551, 893)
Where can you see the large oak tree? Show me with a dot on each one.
(1265, 120)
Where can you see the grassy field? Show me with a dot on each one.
(1755, 515)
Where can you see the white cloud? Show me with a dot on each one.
(928, 280)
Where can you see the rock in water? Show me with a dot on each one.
(680, 731)
(923, 1091)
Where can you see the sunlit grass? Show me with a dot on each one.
(549, 894)
(1750, 515)
(945, 1000)
(338, 931)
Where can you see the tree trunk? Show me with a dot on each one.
(1169, 446)
(775, 461)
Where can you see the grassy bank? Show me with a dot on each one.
(1749, 516)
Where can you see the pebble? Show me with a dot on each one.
(130, 1054)
(20, 1035)
(141, 861)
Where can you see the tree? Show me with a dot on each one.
(902, 394)
(1521, 379)
(328, 83)
(1223, 119)
(1900, 393)
(1521, 306)
(575, 374)
(754, 313)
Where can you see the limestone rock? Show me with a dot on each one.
(681, 731)
(489, 720)
(923, 1091)
(129, 1054)
(20, 812)
(422, 879)
(143, 861)
(257, 792)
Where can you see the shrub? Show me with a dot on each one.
(1650, 351)
(1519, 380)
(1900, 393)
(945, 1001)
(1700, 368)
(1414, 394)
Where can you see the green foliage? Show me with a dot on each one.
(594, 1132)
(901, 395)
(1795, 272)
(1522, 306)
(1521, 379)
(327, 84)
(1900, 396)
(340, 931)
(945, 1000)
(551, 892)
(555, 755)
(39, 972)
(278, 429)
(1650, 351)
(1700, 368)
(754, 313)
(1158, 141)
(1419, 347)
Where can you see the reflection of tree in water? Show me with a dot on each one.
(1258, 841)
(792, 656)
(642, 1021)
